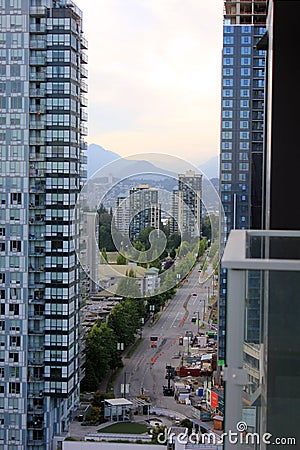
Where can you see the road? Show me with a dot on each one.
(149, 377)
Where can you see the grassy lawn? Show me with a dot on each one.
(126, 428)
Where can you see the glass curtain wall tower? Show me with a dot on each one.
(42, 109)
(242, 118)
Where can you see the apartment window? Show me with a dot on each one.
(226, 145)
(244, 114)
(228, 29)
(227, 82)
(244, 166)
(244, 124)
(245, 82)
(245, 93)
(226, 134)
(2, 322)
(16, 87)
(15, 341)
(245, 71)
(13, 357)
(16, 198)
(15, 246)
(17, 55)
(246, 29)
(245, 61)
(244, 103)
(227, 156)
(228, 61)
(227, 124)
(228, 72)
(244, 145)
(228, 39)
(228, 50)
(243, 156)
(226, 166)
(15, 70)
(246, 39)
(16, 102)
(14, 309)
(246, 50)
(14, 388)
(244, 135)
(227, 103)
(227, 114)
(227, 93)
(14, 372)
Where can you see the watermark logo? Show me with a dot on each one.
(239, 436)
(139, 195)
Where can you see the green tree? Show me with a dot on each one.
(121, 260)
(101, 355)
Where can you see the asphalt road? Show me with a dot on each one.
(145, 370)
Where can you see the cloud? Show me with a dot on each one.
(154, 75)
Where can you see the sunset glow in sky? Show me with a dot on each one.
(154, 75)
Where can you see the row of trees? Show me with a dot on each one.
(102, 354)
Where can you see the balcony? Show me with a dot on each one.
(273, 257)
(84, 43)
(37, 124)
(37, 109)
(83, 87)
(38, 11)
(83, 145)
(37, 60)
(38, 44)
(83, 72)
(83, 130)
(33, 92)
(37, 76)
(84, 58)
(83, 101)
(83, 159)
(38, 28)
(34, 140)
(83, 115)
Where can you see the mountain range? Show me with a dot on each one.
(99, 157)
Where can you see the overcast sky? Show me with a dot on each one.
(154, 75)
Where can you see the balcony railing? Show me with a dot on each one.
(40, 44)
(33, 92)
(37, 60)
(84, 43)
(84, 87)
(38, 11)
(84, 58)
(38, 28)
(83, 101)
(83, 72)
(37, 76)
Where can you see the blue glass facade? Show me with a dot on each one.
(242, 115)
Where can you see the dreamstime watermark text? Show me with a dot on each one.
(239, 436)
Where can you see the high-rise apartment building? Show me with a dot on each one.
(144, 209)
(241, 162)
(275, 252)
(42, 114)
(187, 205)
